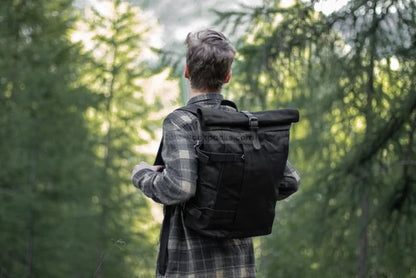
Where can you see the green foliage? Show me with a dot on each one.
(350, 74)
(68, 130)
(44, 144)
(127, 244)
(71, 121)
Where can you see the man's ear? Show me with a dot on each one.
(228, 77)
(186, 72)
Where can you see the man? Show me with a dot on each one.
(209, 56)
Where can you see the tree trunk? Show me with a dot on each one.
(365, 205)
(107, 166)
(31, 219)
(362, 256)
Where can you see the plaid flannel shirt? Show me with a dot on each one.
(190, 254)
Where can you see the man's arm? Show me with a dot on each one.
(290, 182)
(177, 182)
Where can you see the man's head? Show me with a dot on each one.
(209, 55)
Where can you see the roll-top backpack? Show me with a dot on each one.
(241, 160)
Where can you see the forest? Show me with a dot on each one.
(83, 93)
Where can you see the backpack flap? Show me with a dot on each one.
(228, 118)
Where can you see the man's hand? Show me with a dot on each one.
(144, 165)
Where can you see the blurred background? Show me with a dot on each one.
(84, 87)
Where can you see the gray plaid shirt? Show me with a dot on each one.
(190, 254)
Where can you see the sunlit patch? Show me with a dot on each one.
(329, 6)
(394, 63)
(286, 3)
(359, 123)
(314, 266)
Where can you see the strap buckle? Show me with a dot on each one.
(253, 123)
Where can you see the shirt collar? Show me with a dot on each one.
(205, 97)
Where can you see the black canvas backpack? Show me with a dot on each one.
(241, 159)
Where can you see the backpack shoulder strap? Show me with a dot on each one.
(159, 159)
(164, 239)
(228, 103)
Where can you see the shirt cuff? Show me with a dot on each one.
(140, 176)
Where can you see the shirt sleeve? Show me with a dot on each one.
(290, 182)
(177, 182)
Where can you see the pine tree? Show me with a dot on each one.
(350, 73)
(126, 234)
(46, 157)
